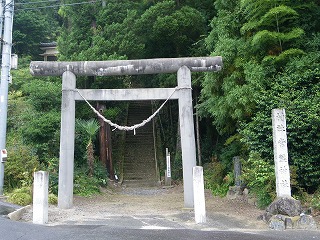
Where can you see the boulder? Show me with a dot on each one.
(276, 223)
(281, 222)
(234, 192)
(306, 222)
(285, 206)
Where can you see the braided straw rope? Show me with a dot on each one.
(129, 128)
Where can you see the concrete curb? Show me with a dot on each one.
(16, 215)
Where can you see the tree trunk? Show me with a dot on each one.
(90, 159)
(102, 137)
(109, 152)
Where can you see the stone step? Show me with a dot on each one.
(140, 183)
(139, 175)
(139, 164)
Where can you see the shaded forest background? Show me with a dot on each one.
(271, 54)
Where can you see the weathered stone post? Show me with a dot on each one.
(66, 162)
(199, 198)
(188, 145)
(237, 170)
(281, 153)
(40, 197)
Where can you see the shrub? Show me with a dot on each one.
(215, 180)
(84, 185)
(315, 202)
(21, 164)
(52, 199)
(259, 176)
(21, 196)
(87, 186)
(53, 168)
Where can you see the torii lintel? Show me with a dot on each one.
(126, 67)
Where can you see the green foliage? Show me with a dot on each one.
(276, 15)
(172, 29)
(52, 199)
(268, 38)
(302, 109)
(315, 201)
(84, 186)
(100, 173)
(30, 28)
(271, 26)
(100, 32)
(127, 29)
(20, 196)
(309, 201)
(259, 176)
(16, 101)
(90, 127)
(34, 112)
(266, 66)
(270, 51)
(177, 171)
(226, 96)
(43, 131)
(53, 169)
(21, 164)
(216, 180)
(44, 95)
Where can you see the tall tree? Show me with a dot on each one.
(171, 29)
(226, 96)
(32, 25)
(90, 127)
(272, 29)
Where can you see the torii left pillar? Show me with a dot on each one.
(66, 164)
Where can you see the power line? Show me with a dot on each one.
(8, 5)
(36, 2)
(58, 5)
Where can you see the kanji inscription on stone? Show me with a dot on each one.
(283, 169)
(281, 153)
(282, 158)
(281, 127)
(284, 183)
(282, 142)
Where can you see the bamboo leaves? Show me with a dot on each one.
(271, 26)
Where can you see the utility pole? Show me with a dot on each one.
(1, 20)
(5, 78)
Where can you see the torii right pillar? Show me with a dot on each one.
(188, 146)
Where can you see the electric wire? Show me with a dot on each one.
(37, 2)
(53, 6)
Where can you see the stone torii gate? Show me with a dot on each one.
(183, 92)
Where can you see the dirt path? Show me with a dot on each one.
(167, 202)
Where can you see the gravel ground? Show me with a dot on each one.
(167, 203)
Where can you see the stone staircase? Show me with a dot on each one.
(139, 168)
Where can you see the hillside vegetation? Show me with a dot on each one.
(271, 55)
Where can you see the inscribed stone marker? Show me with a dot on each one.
(281, 153)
